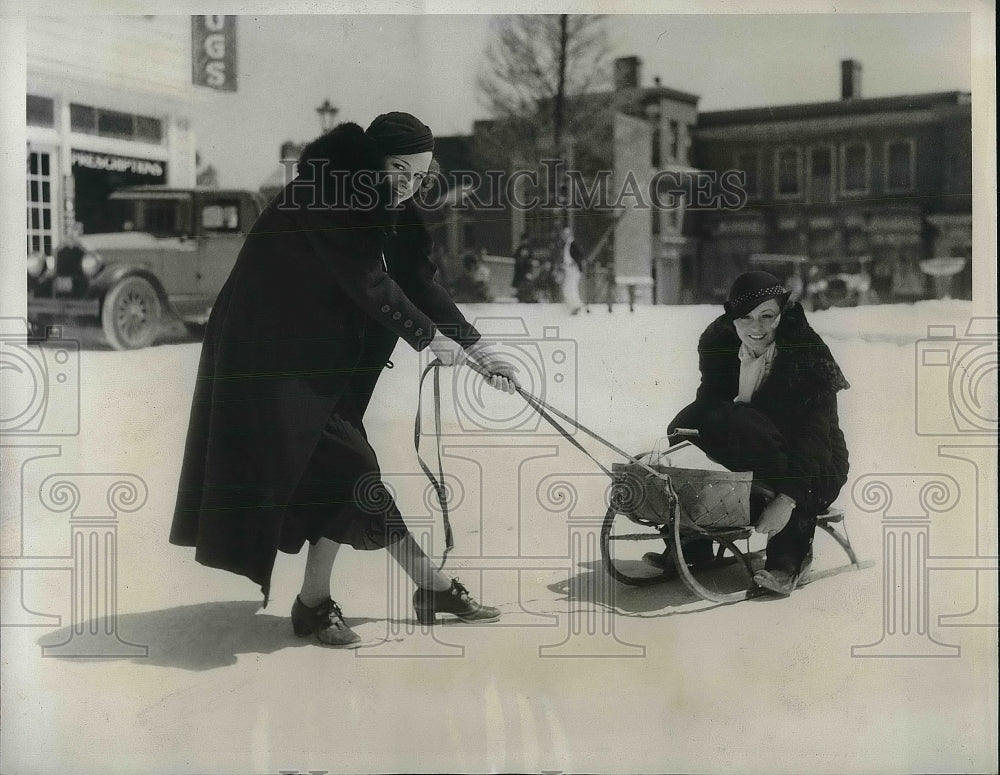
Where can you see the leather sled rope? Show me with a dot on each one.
(546, 412)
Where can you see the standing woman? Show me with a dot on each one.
(334, 272)
(767, 403)
(572, 268)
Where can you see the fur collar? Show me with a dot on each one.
(803, 362)
(347, 152)
(345, 147)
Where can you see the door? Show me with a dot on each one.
(220, 238)
(42, 226)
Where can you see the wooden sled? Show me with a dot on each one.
(627, 533)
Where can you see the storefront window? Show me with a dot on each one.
(83, 118)
(40, 111)
(148, 129)
(117, 125)
(114, 124)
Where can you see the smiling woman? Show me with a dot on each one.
(406, 174)
(767, 403)
(277, 454)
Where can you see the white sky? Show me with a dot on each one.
(427, 65)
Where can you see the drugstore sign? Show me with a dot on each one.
(124, 164)
(213, 52)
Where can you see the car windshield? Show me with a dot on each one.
(160, 217)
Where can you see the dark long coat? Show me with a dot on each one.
(315, 304)
(799, 397)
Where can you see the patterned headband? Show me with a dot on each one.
(769, 293)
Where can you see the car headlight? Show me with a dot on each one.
(90, 264)
(36, 265)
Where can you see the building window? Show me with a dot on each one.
(899, 161)
(653, 114)
(855, 163)
(675, 139)
(162, 218)
(748, 162)
(83, 118)
(787, 173)
(40, 111)
(821, 174)
(690, 144)
(40, 203)
(111, 123)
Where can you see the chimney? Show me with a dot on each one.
(850, 79)
(627, 71)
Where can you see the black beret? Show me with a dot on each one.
(400, 133)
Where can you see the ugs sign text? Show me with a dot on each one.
(213, 52)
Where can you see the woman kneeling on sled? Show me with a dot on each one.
(767, 403)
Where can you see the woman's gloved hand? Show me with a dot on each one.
(446, 350)
(775, 515)
(503, 373)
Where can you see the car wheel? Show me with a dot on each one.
(132, 314)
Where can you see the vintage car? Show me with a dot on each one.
(168, 252)
(822, 284)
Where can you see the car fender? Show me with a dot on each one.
(114, 274)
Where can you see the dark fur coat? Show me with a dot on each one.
(799, 397)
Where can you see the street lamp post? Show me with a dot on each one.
(327, 113)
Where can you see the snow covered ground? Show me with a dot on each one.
(648, 679)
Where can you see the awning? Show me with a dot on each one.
(146, 194)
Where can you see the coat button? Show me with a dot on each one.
(385, 308)
(419, 331)
(396, 316)
(407, 324)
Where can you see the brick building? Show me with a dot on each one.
(887, 178)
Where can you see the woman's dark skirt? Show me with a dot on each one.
(341, 495)
(742, 438)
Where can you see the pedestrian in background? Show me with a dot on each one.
(572, 266)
